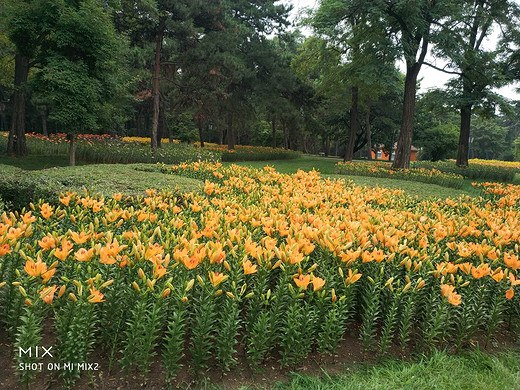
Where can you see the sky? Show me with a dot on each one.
(430, 78)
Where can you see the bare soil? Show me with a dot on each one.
(348, 356)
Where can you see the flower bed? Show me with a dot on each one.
(377, 169)
(476, 170)
(278, 265)
(105, 149)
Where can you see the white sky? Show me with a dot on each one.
(430, 78)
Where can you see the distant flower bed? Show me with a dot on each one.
(107, 149)
(477, 169)
(251, 153)
(377, 169)
(147, 140)
(496, 163)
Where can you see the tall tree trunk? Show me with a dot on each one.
(221, 136)
(369, 133)
(161, 129)
(72, 149)
(349, 152)
(285, 135)
(465, 125)
(230, 135)
(273, 131)
(44, 123)
(404, 142)
(201, 139)
(16, 143)
(157, 72)
(327, 146)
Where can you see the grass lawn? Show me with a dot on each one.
(306, 163)
(470, 371)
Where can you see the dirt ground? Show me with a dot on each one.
(96, 376)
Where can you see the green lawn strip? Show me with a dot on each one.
(470, 371)
(19, 187)
(305, 163)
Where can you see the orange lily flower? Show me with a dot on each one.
(302, 281)
(5, 249)
(446, 289)
(95, 296)
(352, 277)
(65, 200)
(454, 298)
(63, 252)
(47, 242)
(511, 261)
(35, 269)
(216, 278)
(14, 233)
(28, 218)
(47, 294)
(480, 271)
(317, 283)
(159, 271)
(249, 268)
(80, 238)
(84, 255)
(47, 275)
(46, 211)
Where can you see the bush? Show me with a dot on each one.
(475, 171)
(19, 187)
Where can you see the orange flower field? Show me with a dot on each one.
(280, 265)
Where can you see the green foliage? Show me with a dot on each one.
(488, 139)
(439, 142)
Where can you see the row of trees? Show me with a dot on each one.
(230, 70)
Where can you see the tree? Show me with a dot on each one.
(28, 24)
(366, 57)
(478, 65)
(78, 72)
